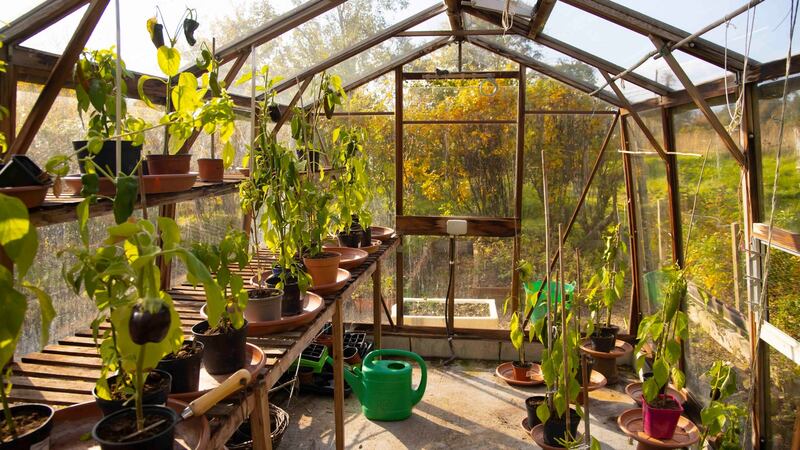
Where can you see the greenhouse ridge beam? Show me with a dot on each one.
(541, 12)
(520, 28)
(542, 68)
(647, 26)
(37, 19)
(454, 15)
(361, 46)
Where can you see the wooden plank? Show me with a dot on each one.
(377, 300)
(75, 350)
(338, 373)
(37, 19)
(62, 71)
(470, 75)
(48, 397)
(92, 362)
(454, 15)
(541, 12)
(8, 97)
(476, 226)
(44, 370)
(49, 384)
(77, 341)
(782, 239)
(519, 169)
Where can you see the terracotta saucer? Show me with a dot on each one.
(634, 390)
(525, 425)
(631, 423)
(207, 381)
(244, 171)
(596, 380)
(153, 184)
(72, 423)
(381, 233)
(313, 304)
(342, 277)
(506, 372)
(351, 257)
(31, 196)
(376, 244)
(537, 434)
(621, 348)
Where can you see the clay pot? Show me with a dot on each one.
(106, 158)
(263, 305)
(323, 268)
(104, 433)
(168, 164)
(185, 372)
(351, 356)
(660, 423)
(521, 371)
(211, 170)
(37, 438)
(555, 429)
(31, 196)
(306, 375)
(223, 352)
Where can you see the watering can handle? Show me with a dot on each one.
(405, 354)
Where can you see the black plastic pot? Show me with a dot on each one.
(555, 429)
(22, 171)
(531, 403)
(292, 300)
(313, 159)
(604, 338)
(185, 372)
(366, 237)
(36, 438)
(352, 239)
(161, 441)
(224, 352)
(589, 368)
(107, 157)
(154, 397)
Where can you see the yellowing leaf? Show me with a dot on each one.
(169, 60)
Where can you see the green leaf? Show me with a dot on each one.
(543, 412)
(660, 372)
(672, 351)
(46, 311)
(170, 233)
(678, 378)
(650, 389)
(228, 155)
(140, 88)
(82, 211)
(125, 199)
(90, 184)
(169, 60)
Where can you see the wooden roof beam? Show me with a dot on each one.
(454, 15)
(646, 26)
(37, 19)
(542, 68)
(361, 46)
(541, 12)
(520, 26)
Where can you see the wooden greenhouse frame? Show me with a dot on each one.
(54, 73)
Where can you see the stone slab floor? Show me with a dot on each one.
(465, 406)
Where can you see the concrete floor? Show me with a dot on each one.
(465, 406)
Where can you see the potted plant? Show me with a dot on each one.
(224, 333)
(521, 367)
(95, 88)
(352, 187)
(606, 288)
(183, 99)
(183, 366)
(665, 329)
(722, 420)
(315, 206)
(23, 425)
(215, 116)
(272, 196)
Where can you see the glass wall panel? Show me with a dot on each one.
(460, 100)
(784, 401)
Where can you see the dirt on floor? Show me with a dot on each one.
(465, 406)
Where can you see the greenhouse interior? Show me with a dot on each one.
(413, 224)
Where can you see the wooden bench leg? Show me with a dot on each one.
(259, 420)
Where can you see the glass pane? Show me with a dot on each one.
(782, 299)
(787, 205)
(460, 99)
(375, 96)
(784, 401)
(710, 179)
(13, 10)
(674, 12)
(545, 93)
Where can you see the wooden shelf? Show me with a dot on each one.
(62, 209)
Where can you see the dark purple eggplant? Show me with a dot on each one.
(145, 326)
(189, 27)
(157, 35)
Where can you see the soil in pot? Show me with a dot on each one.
(353, 239)
(264, 305)
(32, 422)
(531, 403)
(661, 417)
(224, 347)
(158, 164)
(159, 433)
(555, 429)
(210, 170)
(323, 268)
(604, 338)
(521, 370)
(184, 367)
(157, 387)
(107, 157)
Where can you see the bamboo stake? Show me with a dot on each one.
(585, 375)
(118, 93)
(547, 252)
(564, 334)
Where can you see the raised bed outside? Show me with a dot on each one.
(475, 313)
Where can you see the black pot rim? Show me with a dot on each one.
(44, 424)
(114, 415)
(520, 365)
(198, 351)
(195, 328)
(163, 373)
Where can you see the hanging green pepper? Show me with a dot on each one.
(125, 199)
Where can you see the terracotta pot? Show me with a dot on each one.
(351, 356)
(324, 268)
(104, 432)
(521, 371)
(168, 164)
(31, 196)
(37, 438)
(660, 423)
(211, 170)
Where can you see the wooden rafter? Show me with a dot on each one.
(61, 73)
(37, 19)
(454, 15)
(462, 33)
(626, 105)
(647, 26)
(541, 12)
(702, 105)
(542, 68)
(361, 46)
(521, 26)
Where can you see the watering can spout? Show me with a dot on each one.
(354, 379)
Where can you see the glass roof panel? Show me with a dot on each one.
(439, 22)
(674, 12)
(13, 10)
(474, 23)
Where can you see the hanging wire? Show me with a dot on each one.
(507, 19)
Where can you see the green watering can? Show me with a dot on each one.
(384, 386)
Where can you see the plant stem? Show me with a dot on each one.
(6, 409)
(140, 389)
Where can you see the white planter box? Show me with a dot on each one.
(486, 322)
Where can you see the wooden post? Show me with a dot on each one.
(398, 187)
(61, 73)
(8, 97)
(735, 261)
(377, 304)
(165, 268)
(633, 227)
(518, 178)
(658, 226)
(338, 373)
(673, 193)
(259, 420)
